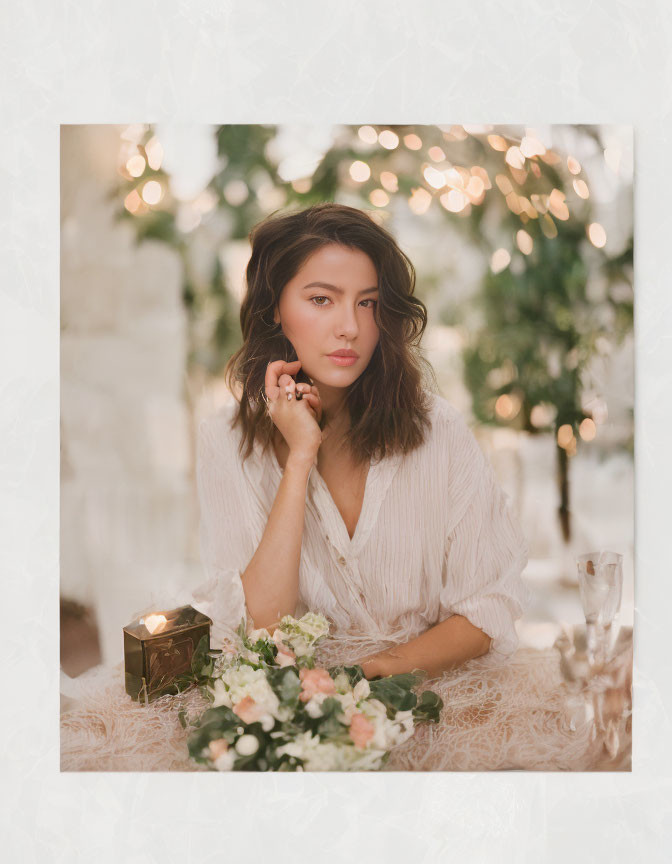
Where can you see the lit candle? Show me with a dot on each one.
(159, 647)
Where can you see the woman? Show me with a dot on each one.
(340, 483)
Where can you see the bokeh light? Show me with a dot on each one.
(389, 181)
(499, 260)
(368, 134)
(508, 406)
(152, 192)
(388, 139)
(154, 151)
(379, 198)
(565, 435)
(419, 201)
(587, 429)
(236, 192)
(596, 234)
(360, 171)
(136, 165)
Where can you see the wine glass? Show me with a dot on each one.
(601, 585)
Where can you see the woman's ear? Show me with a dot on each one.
(276, 315)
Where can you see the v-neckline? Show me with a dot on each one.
(321, 485)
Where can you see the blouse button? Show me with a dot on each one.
(341, 560)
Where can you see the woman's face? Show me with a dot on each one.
(329, 307)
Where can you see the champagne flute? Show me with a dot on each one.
(601, 585)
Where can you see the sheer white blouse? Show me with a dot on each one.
(436, 536)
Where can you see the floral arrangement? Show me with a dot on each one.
(274, 710)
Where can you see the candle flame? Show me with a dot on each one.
(153, 622)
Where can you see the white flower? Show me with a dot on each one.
(261, 633)
(221, 694)
(342, 683)
(314, 705)
(246, 745)
(361, 690)
(245, 681)
(225, 761)
(252, 656)
(302, 743)
(267, 722)
(348, 705)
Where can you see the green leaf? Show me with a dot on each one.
(200, 656)
(285, 683)
(393, 694)
(428, 709)
(354, 673)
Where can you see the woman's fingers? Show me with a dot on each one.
(274, 371)
(288, 387)
(312, 399)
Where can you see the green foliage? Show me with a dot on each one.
(428, 709)
(394, 691)
(539, 333)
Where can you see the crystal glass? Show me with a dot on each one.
(600, 584)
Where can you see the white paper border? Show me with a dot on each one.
(315, 62)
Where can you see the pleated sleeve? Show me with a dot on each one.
(230, 528)
(486, 551)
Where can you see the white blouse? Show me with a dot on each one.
(436, 536)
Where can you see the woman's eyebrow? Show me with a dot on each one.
(336, 288)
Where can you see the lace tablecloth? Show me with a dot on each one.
(537, 710)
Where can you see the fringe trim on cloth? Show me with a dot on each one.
(516, 713)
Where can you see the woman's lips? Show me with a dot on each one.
(339, 360)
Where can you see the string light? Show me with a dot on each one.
(236, 192)
(152, 192)
(587, 429)
(388, 139)
(524, 242)
(136, 165)
(565, 435)
(581, 188)
(360, 171)
(154, 151)
(573, 165)
(596, 234)
(500, 260)
(434, 177)
(389, 181)
(419, 201)
(379, 198)
(368, 134)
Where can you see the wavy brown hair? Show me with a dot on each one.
(388, 403)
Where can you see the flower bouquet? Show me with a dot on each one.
(274, 710)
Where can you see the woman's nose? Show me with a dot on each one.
(347, 323)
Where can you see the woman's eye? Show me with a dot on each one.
(317, 301)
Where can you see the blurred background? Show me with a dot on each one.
(522, 239)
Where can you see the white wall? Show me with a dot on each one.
(126, 464)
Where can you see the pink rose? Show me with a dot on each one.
(217, 747)
(315, 681)
(285, 657)
(361, 730)
(248, 710)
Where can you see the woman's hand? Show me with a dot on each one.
(377, 666)
(297, 419)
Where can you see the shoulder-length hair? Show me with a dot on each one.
(388, 403)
